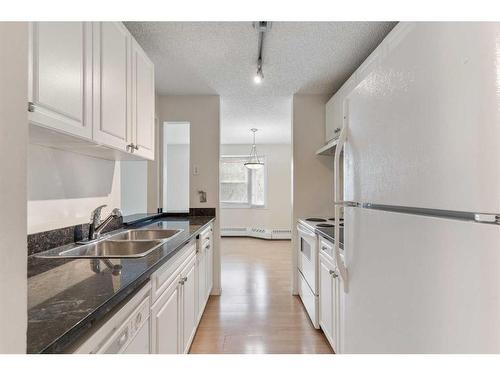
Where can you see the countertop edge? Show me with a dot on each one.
(64, 341)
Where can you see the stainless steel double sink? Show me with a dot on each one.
(132, 243)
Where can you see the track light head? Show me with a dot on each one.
(259, 76)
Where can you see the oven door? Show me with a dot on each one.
(308, 256)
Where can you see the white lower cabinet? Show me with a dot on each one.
(202, 280)
(165, 321)
(189, 305)
(180, 292)
(163, 316)
(329, 301)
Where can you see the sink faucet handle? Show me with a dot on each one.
(116, 212)
(95, 216)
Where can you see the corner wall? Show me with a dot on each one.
(312, 175)
(13, 150)
(203, 114)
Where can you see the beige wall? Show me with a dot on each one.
(13, 144)
(277, 214)
(312, 174)
(203, 114)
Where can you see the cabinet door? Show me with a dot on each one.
(112, 84)
(60, 86)
(209, 256)
(325, 299)
(165, 321)
(202, 281)
(143, 103)
(189, 304)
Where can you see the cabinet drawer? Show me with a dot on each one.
(326, 248)
(163, 277)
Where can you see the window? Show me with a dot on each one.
(241, 187)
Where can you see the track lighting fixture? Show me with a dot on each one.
(262, 27)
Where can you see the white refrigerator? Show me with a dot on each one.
(422, 194)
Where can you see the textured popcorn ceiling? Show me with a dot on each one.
(220, 58)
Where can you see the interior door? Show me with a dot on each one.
(61, 76)
(112, 84)
(143, 108)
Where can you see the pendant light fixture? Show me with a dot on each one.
(253, 161)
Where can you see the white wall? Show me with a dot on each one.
(64, 187)
(312, 175)
(203, 114)
(278, 213)
(134, 187)
(13, 144)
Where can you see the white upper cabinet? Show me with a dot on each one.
(92, 81)
(60, 92)
(335, 109)
(112, 85)
(143, 102)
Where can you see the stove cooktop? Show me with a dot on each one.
(324, 225)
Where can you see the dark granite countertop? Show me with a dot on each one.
(67, 297)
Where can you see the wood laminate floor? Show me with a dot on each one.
(256, 312)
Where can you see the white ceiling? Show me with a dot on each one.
(220, 58)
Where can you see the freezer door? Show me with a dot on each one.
(420, 285)
(423, 124)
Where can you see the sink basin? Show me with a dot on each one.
(133, 243)
(145, 234)
(105, 249)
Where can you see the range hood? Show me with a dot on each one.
(329, 148)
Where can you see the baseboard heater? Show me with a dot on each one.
(269, 234)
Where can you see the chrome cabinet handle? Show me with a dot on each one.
(333, 274)
(131, 148)
(123, 338)
(207, 247)
(136, 147)
(138, 320)
(337, 130)
(183, 280)
(324, 248)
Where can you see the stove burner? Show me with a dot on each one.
(317, 219)
(325, 225)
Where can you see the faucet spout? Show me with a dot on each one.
(96, 226)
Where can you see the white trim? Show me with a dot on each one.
(264, 233)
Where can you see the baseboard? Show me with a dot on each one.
(264, 233)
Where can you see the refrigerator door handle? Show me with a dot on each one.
(337, 198)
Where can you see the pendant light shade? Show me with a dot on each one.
(253, 161)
